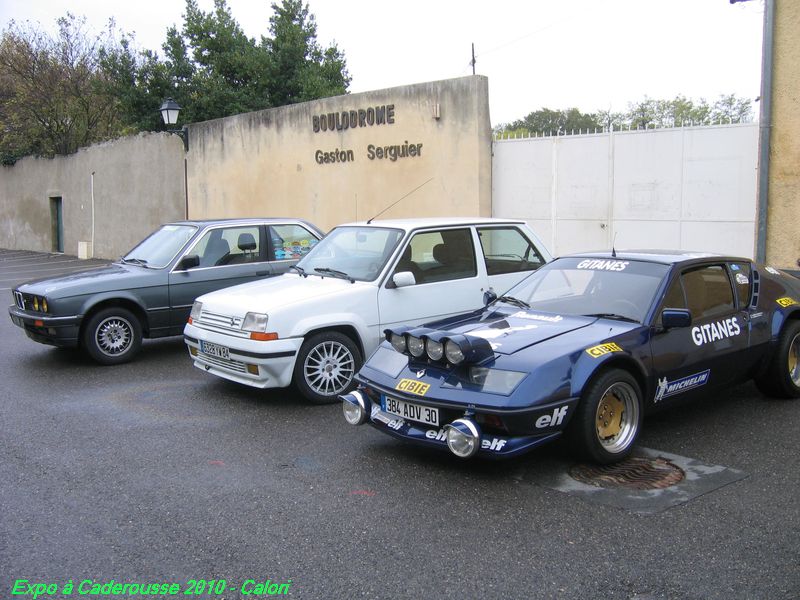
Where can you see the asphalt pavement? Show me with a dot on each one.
(156, 473)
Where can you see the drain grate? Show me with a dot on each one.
(636, 473)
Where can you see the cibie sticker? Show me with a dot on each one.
(603, 265)
(784, 302)
(601, 349)
(412, 386)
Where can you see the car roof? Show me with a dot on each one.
(240, 221)
(416, 223)
(666, 257)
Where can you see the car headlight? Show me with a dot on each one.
(398, 342)
(463, 437)
(434, 349)
(355, 408)
(197, 308)
(416, 346)
(44, 304)
(495, 381)
(255, 322)
(453, 352)
(36, 303)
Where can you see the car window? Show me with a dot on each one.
(229, 246)
(708, 292)
(507, 250)
(741, 276)
(291, 241)
(160, 247)
(440, 256)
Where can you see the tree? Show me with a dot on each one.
(556, 122)
(53, 100)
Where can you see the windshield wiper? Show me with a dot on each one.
(614, 316)
(514, 301)
(135, 261)
(334, 273)
(300, 270)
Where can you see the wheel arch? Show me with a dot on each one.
(116, 302)
(625, 363)
(343, 328)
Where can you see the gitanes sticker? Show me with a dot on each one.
(716, 330)
(603, 265)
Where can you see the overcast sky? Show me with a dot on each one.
(589, 54)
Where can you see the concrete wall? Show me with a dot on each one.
(138, 184)
(290, 161)
(692, 188)
(783, 216)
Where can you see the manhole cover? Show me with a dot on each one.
(637, 473)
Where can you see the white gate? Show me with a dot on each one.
(688, 188)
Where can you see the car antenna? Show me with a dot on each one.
(398, 200)
(613, 249)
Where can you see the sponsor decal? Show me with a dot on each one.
(716, 330)
(602, 349)
(742, 279)
(534, 317)
(497, 332)
(412, 386)
(784, 302)
(552, 420)
(494, 444)
(772, 270)
(684, 384)
(603, 265)
(376, 414)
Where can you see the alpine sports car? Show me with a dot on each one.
(584, 347)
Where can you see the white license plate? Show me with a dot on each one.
(214, 350)
(409, 410)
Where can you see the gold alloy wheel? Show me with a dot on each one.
(617, 417)
(793, 359)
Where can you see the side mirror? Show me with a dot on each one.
(189, 262)
(488, 297)
(402, 279)
(675, 317)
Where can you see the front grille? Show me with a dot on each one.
(19, 299)
(224, 323)
(222, 363)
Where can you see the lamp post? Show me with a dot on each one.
(169, 112)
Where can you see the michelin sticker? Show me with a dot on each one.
(684, 384)
(603, 265)
(718, 330)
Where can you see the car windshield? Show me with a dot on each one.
(160, 247)
(352, 252)
(604, 287)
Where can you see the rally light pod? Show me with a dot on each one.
(355, 408)
(472, 349)
(463, 437)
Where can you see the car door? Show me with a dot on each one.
(228, 255)
(708, 353)
(449, 278)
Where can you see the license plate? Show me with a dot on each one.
(214, 350)
(409, 410)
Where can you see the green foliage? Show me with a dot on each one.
(646, 113)
(60, 93)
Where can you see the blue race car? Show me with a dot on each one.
(584, 347)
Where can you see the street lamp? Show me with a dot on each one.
(169, 112)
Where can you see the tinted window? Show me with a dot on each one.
(708, 292)
(507, 250)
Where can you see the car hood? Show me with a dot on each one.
(110, 277)
(289, 289)
(511, 332)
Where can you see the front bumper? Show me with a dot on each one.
(547, 423)
(255, 363)
(53, 331)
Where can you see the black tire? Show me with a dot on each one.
(781, 379)
(326, 366)
(112, 336)
(608, 418)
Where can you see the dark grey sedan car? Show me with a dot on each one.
(149, 292)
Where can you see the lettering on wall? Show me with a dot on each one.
(351, 119)
(390, 152)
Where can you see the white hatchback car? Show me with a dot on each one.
(314, 326)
